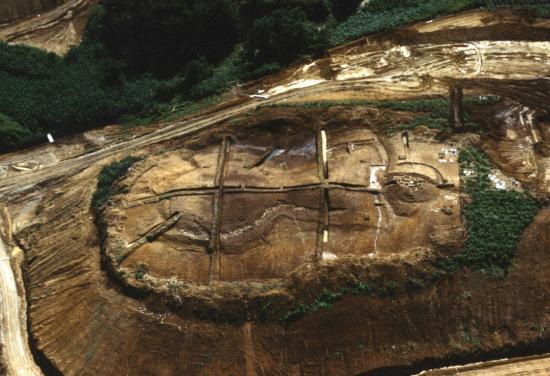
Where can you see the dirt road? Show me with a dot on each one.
(385, 74)
(56, 30)
(532, 366)
(19, 360)
(403, 76)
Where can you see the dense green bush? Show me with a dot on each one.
(162, 37)
(44, 93)
(13, 135)
(495, 220)
(105, 189)
(137, 54)
(229, 72)
(282, 36)
(342, 9)
(384, 15)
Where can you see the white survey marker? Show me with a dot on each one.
(324, 146)
(50, 138)
(260, 96)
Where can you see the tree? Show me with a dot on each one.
(12, 135)
(282, 36)
(342, 9)
(161, 37)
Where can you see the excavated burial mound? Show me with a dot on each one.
(257, 203)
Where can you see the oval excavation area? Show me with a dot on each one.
(258, 202)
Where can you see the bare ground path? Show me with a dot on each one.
(19, 360)
(419, 71)
(532, 366)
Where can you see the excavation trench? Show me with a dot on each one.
(314, 341)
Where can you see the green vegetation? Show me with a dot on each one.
(106, 189)
(324, 301)
(327, 298)
(415, 284)
(476, 162)
(140, 272)
(437, 114)
(43, 93)
(495, 220)
(169, 111)
(143, 58)
(384, 15)
(12, 134)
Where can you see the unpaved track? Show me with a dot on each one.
(18, 28)
(56, 30)
(375, 75)
(530, 366)
(386, 78)
(19, 360)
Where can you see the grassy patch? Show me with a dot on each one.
(380, 15)
(327, 298)
(170, 111)
(106, 189)
(385, 15)
(495, 220)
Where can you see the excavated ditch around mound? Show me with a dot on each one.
(236, 215)
(466, 314)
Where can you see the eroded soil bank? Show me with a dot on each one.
(84, 323)
(463, 316)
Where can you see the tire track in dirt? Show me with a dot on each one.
(17, 355)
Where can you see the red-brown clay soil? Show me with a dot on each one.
(212, 289)
(264, 192)
(66, 283)
(467, 313)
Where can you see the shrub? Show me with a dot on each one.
(324, 301)
(282, 36)
(228, 73)
(342, 9)
(140, 271)
(415, 284)
(105, 189)
(495, 220)
(13, 135)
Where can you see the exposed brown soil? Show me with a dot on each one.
(220, 277)
(277, 211)
(469, 313)
(51, 25)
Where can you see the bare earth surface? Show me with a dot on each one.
(54, 30)
(89, 314)
(536, 366)
(16, 352)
